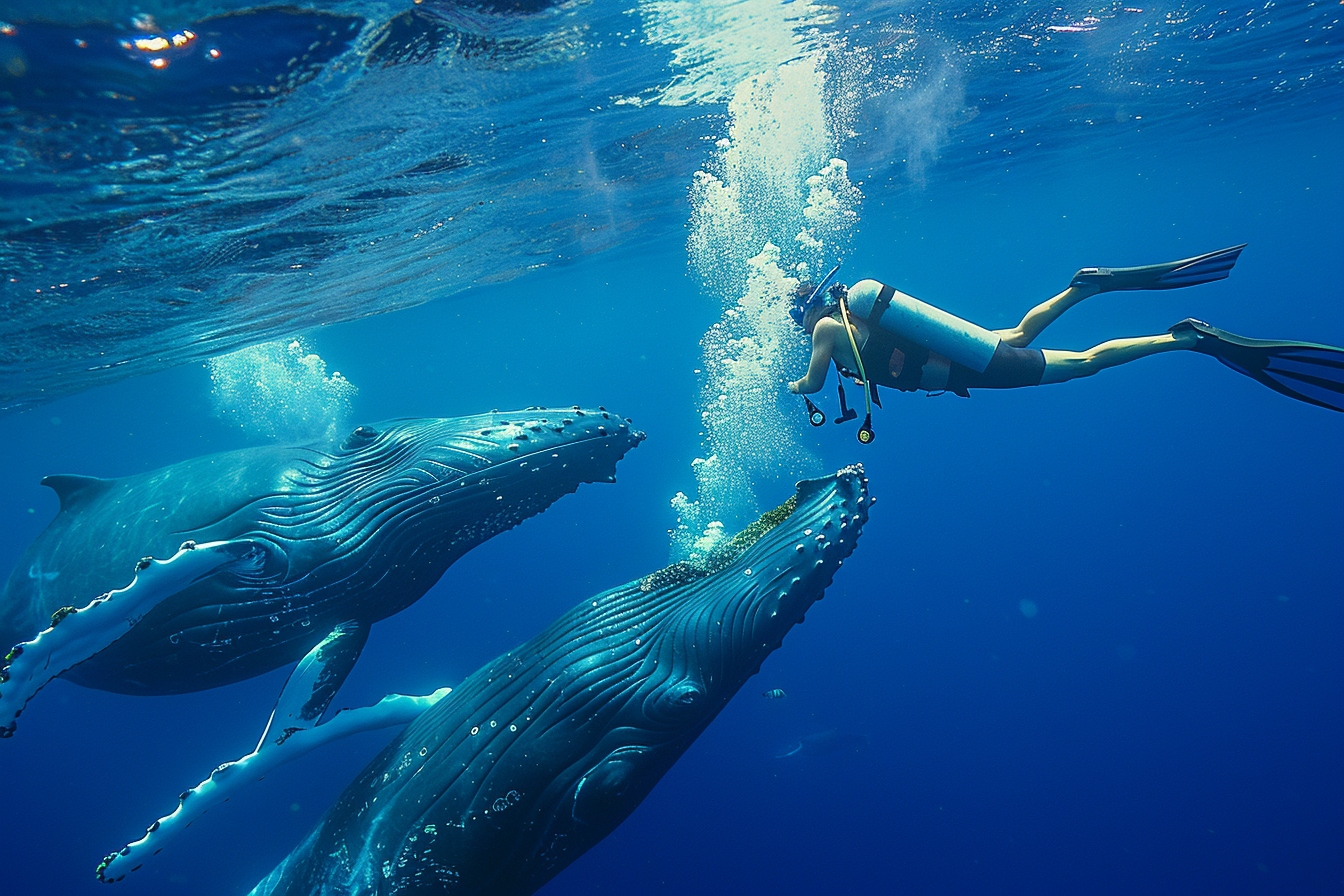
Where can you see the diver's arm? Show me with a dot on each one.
(823, 344)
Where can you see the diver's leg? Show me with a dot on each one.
(1087, 282)
(1062, 365)
(1044, 314)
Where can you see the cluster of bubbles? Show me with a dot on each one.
(769, 210)
(281, 391)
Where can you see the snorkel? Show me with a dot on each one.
(814, 413)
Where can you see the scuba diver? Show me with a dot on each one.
(879, 336)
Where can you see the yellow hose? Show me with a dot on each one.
(863, 376)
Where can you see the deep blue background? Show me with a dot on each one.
(1170, 722)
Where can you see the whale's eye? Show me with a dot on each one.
(362, 435)
(677, 701)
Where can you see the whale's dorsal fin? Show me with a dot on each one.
(72, 488)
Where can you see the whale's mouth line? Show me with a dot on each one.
(559, 451)
(583, 440)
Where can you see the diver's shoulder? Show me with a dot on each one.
(827, 331)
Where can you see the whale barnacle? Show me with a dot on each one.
(143, 563)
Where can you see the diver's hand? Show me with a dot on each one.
(795, 386)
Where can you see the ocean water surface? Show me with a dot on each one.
(1091, 638)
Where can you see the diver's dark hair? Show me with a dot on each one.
(809, 298)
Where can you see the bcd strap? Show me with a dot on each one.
(881, 305)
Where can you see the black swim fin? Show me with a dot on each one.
(1169, 275)
(1302, 370)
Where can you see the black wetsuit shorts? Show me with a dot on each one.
(1009, 368)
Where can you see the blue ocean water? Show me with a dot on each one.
(1090, 638)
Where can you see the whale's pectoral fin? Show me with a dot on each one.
(314, 682)
(78, 633)
(601, 796)
(292, 731)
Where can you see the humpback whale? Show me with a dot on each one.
(542, 752)
(244, 561)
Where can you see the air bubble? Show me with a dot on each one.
(281, 390)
